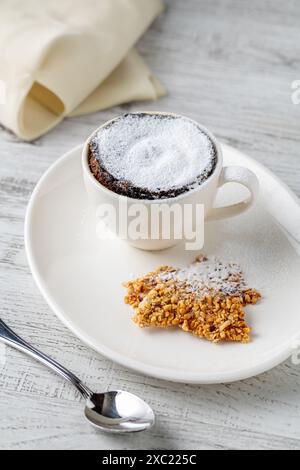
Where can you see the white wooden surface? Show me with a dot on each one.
(229, 64)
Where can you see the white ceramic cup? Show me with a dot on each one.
(204, 194)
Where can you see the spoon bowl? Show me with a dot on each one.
(119, 412)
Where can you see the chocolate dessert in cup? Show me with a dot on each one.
(153, 158)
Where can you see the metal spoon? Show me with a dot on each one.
(114, 412)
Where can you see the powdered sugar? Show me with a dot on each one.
(155, 152)
(207, 276)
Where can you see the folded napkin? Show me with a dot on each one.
(71, 57)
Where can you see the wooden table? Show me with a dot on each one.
(229, 64)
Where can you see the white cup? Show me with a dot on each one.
(204, 194)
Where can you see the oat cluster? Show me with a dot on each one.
(212, 308)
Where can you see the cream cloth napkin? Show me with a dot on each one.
(70, 57)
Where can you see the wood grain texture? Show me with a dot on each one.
(230, 65)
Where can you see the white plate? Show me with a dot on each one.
(81, 278)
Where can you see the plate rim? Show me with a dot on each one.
(284, 352)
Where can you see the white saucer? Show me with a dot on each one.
(81, 278)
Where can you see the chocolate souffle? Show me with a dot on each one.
(151, 156)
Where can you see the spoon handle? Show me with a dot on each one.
(11, 338)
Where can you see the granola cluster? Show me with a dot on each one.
(206, 299)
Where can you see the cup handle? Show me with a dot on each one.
(243, 176)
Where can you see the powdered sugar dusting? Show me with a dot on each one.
(209, 276)
(156, 153)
